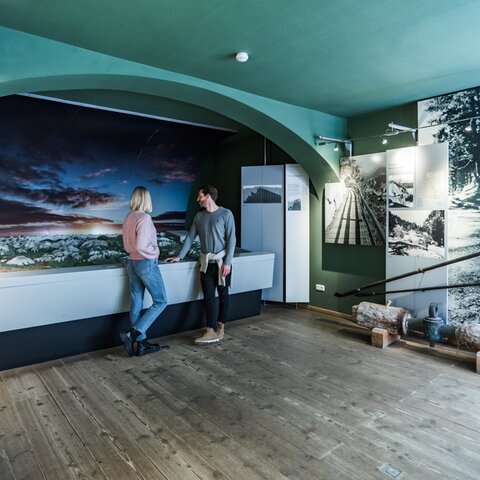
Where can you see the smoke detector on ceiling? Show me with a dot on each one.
(241, 57)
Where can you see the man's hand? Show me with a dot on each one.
(172, 259)
(226, 269)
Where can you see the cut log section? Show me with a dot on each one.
(374, 315)
(468, 336)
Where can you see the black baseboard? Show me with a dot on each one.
(48, 342)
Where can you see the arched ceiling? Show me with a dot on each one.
(343, 57)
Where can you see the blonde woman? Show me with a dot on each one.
(140, 242)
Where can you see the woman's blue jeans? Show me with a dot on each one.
(145, 274)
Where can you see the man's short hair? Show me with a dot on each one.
(209, 190)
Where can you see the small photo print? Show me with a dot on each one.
(400, 191)
(294, 197)
(401, 172)
(262, 194)
(416, 233)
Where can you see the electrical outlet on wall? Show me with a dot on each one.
(319, 287)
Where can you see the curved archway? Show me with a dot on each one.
(289, 127)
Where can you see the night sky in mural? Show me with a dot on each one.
(67, 169)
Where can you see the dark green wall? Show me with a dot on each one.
(224, 170)
(343, 267)
(338, 267)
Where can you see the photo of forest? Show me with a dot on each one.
(416, 233)
(455, 118)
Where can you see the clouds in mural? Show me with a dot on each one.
(70, 167)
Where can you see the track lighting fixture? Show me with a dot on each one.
(322, 140)
(396, 129)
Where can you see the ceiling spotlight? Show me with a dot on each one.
(469, 127)
(241, 57)
(322, 140)
(384, 141)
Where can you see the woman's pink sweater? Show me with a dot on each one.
(140, 236)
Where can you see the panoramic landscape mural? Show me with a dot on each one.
(67, 172)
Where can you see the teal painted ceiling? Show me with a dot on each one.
(343, 57)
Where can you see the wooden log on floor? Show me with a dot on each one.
(374, 315)
(381, 338)
(468, 336)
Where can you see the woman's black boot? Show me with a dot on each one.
(128, 339)
(144, 347)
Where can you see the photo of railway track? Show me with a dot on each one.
(355, 207)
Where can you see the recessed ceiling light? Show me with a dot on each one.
(241, 57)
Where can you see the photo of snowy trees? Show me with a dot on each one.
(455, 118)
(416, 233)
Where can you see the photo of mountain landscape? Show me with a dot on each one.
(67, 172)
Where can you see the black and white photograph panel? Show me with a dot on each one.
(401, 174)
(360, 218)
(334, 198)
(454, 118)
(416, 233)
(262, 194)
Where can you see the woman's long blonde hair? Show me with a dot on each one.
(141, 200)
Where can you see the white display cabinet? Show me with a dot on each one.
(275, 218)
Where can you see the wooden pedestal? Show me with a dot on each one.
(381, 338)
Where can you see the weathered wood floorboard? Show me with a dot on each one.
(321, 401)
(286, 395)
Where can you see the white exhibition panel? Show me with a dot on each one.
(263, 223)
(42, 298)
(430, 193)
(297, 235)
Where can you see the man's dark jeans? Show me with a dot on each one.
(209, 281)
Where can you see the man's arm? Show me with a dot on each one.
(186, 244)
(230, 242)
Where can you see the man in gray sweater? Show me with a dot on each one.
(215, 227)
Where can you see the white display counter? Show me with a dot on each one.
(39, 298)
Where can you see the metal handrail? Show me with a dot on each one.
(419, 289)
(407, 274)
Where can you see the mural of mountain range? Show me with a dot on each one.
(58, 251)
(67, 172)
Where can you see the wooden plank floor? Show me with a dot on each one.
(286, 395)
